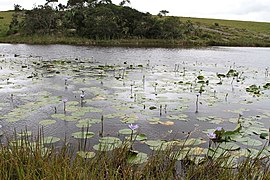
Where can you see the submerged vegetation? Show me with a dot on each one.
(104, 23)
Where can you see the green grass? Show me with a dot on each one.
(24, 159)
(259, 27)
(5, 19)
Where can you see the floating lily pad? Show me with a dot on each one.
(47, 122)
(83, 135)
(126, 131)
(167, 123)
(230, 146)
(106, 146)
(50, 139)
(86, 154)
(135, 157)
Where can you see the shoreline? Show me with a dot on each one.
(155, 43)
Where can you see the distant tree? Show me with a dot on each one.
(61, 7)
(105, 2)
(163, 13)
(171, 28)
(14, 25)
(17, 7)
(123, 2)
(40, 20)
(51, 1)
(72, 3)
(100, 23)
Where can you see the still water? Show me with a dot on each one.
(254, 57)
(167, 78)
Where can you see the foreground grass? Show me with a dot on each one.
(23, 160)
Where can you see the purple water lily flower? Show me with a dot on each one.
(219, 128)
(82, 96)
(133, 126)
(65, 100)
(212, 135)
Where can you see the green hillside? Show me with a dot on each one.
(259, 27)
(5, 19)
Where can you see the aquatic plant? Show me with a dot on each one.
(133, 127)
(64, 104)
(197, 103)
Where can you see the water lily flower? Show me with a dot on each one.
(65, 100)
(133, 127)
(82, 96)
(219, 128)
(212, 135)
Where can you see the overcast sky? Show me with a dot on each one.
(250, 10)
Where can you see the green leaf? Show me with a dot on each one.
(47, 122)
(50, 139)
(86, 154)
(135, 157)
(126, 131)
(82, 135)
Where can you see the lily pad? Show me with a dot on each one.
(126, 131)
(83, 135)
(46, 122)
(50, 139)
(135, 157)
(86, 154)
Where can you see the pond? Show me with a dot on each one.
(169, 93)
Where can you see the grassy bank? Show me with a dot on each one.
(241, 42)
(84, 41)
(24, 159)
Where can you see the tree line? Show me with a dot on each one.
(98, 19)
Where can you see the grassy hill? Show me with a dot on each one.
(213, 32)
(5, 19)
(259, 27)
(232, 32)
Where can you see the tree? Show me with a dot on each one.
(163, 13)
(72, 3)
(100, 23)
(40, 20)
(14, 25)
(52, 3)
(123, 2)
(17, 7)
(171, 28)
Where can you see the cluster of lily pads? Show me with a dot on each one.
(84, 99)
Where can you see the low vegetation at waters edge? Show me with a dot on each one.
(104, 23)
(26, 157)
